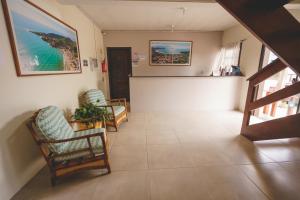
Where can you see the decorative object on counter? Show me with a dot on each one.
(90, 116)
(236, 71)
(41, 43)
(170, 53)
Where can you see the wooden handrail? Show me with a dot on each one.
(268, 71)
(276, 96)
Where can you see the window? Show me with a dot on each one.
(227, 58)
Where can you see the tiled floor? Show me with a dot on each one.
(183, 156)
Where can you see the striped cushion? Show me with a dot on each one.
(95, 97)
(53, 126)
(118, 110)
(83, 144)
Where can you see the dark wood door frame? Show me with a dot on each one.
(129, 64)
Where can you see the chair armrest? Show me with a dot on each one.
(74, 121)
(72, 139)
(117, 100)
(120, 101)
(87, 137)
(85, 129)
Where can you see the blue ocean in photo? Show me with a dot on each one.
(35, 54)
(174, 48)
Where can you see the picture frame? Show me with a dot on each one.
(170, 53)
(41, 43)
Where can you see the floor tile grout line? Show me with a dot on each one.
(147, 152)
(247, 176)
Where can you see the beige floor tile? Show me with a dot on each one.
(177, 184)
(159, 127)
(82, 184)
(132, 131)
(187, 155)
(279, 151)
(293, 167)
(122, 186)
(274, 180)
(111, 139)
(159, 132)
(162, 139)
(205, 155)
(190, 137)
(167, 156)
(125, 157)
(130, 139)
(240, 151)
(129, 126)
(228, 182)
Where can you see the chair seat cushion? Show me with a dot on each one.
(78, 145)
(118, 110)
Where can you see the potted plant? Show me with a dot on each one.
(90, 116)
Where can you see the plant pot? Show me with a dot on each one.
(98, 124)
(82, 126)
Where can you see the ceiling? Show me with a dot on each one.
(182, 15)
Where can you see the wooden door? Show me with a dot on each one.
(120, 67)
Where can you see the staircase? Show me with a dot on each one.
(276, 28)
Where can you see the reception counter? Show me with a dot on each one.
(171, 94)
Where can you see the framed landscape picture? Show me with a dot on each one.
(174, 53)
(41, 43)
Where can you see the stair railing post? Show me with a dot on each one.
(247, 111)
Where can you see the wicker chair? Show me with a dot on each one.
(117, 108)
(67, 151)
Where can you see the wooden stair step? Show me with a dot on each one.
(286, 127)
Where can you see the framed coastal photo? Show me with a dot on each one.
(170, 53)
(41, 43)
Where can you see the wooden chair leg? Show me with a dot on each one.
(106, 162)
(116, 125)
(107, 166)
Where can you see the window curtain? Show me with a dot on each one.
(227, 57)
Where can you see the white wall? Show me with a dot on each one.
(20, 159)
(156, 94)
(249, 58)
(205, 47)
